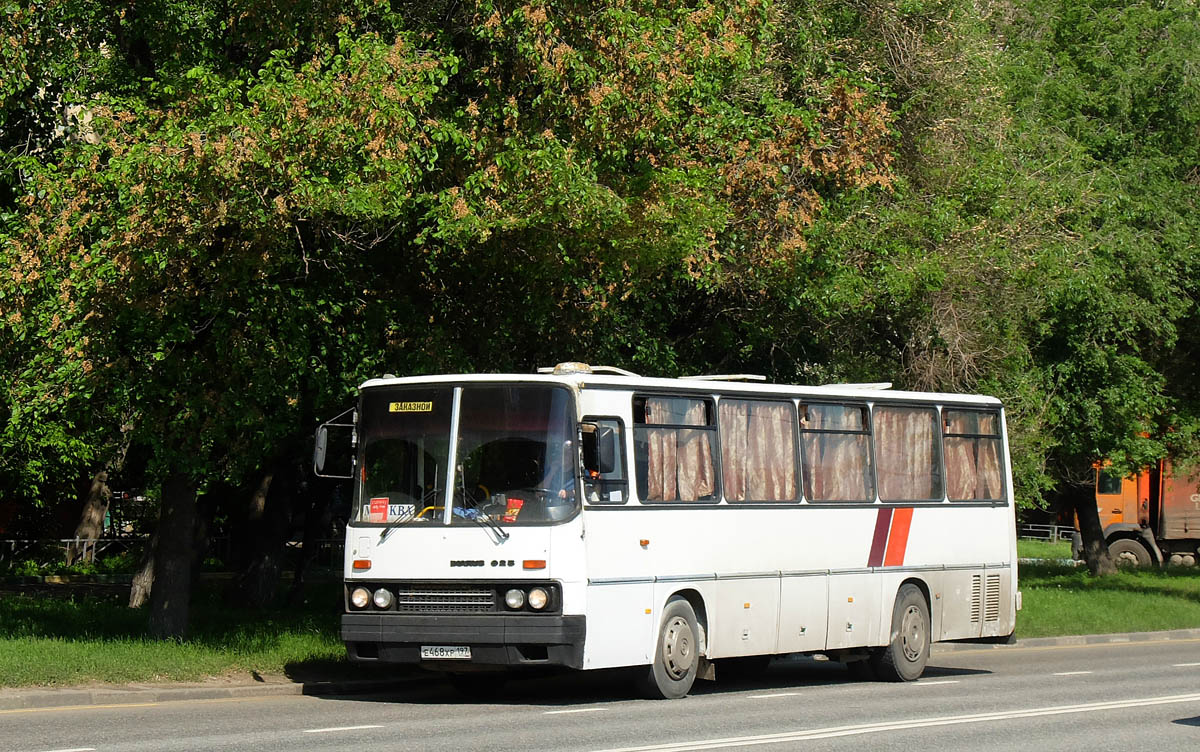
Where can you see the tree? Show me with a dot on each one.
(255, 222)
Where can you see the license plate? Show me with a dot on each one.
(441, 652)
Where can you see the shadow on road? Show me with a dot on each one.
(570, 688)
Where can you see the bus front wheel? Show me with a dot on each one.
(905, 656)
(676, 655)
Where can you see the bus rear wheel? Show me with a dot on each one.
(905, 656)
(672, 671)
(1128, 553)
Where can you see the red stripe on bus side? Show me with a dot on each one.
(879, 542)
(898, 538)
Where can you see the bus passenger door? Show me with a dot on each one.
(621, 610)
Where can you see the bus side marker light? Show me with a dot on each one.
(362, 563)
(745, 605)
(644, 542)
(850, 599)
(534, 564)
(647, 611)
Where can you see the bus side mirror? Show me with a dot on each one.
(344, 442)
(599, 448)
(320, 443)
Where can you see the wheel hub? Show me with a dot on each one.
(912, 634)
(677, 647)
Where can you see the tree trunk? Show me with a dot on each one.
(206, 510)
(316, 522)
(1095, 550)
(91, 520)
(143, 578)
(170, 596)
(269, 520)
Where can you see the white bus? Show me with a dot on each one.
(590, 518)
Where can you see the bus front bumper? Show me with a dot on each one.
(493, 640)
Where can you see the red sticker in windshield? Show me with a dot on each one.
(379, 509)
(514, 509)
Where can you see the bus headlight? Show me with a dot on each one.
(383, 598)
(360, 597)
(538, 598)
(514, 598)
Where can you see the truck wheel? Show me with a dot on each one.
(1128, 553)
(676, 655)
(905, 657)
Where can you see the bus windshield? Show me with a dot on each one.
(515, 460)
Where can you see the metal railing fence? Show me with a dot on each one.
(1051, 533)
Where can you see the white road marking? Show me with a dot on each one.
(935, 683)
(777, 694)
(339, 728)
(574, 710)
(1185, 665)
(874, 728)
(76, 749)
(1072, 673)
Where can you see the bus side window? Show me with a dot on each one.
(837, 452)
(605, 480)
(971, 440)
(674, 445)
(758, 450)
(907, 453)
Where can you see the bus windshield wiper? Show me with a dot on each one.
(418, 508)
(483, 520)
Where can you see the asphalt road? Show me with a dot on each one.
(1113, 696)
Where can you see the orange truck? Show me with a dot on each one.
(1151, 517)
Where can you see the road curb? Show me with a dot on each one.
(16, 699)
(1099, 639)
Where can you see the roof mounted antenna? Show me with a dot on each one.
(572, 367)
(727, 377)
(876, 386)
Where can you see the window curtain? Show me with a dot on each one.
(836, 466)
(758, 443)
(679, 462)
(905, 458)
(973, 464)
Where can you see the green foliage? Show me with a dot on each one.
(231, 246)
(215, 219)
(124, 563)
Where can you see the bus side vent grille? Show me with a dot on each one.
(991, 607)
(444, 599)
(976, 598)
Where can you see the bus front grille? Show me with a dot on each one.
(444, 599)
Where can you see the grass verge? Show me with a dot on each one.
(57, 641)
(1039, 549)
(1060, 600)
